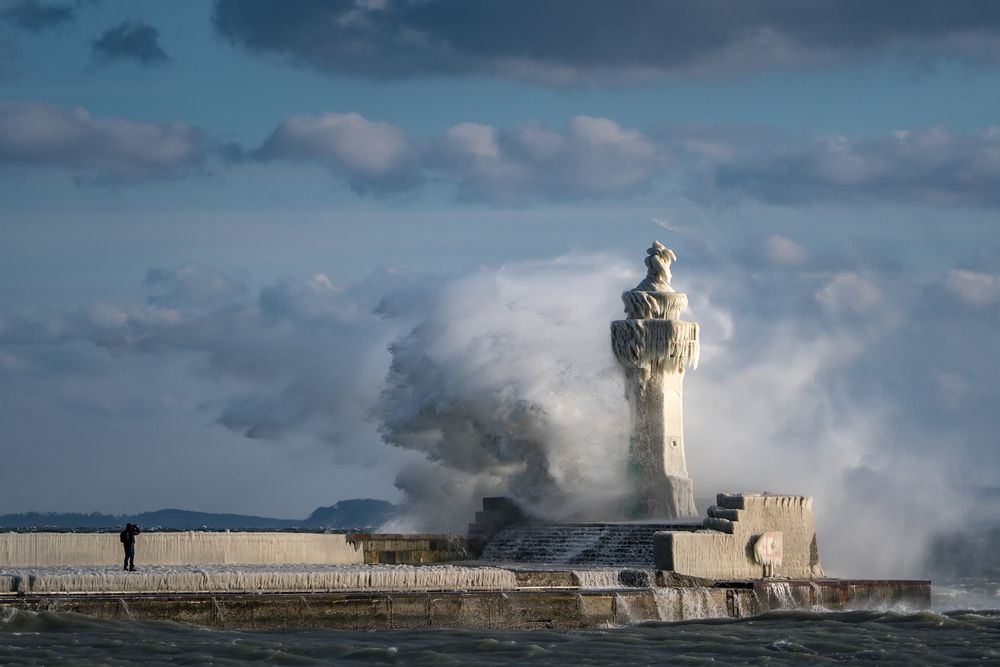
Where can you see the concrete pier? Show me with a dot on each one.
(527, 607)
(610, 580)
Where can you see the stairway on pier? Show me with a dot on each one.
(620, 544)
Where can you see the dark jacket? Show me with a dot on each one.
(127, 536)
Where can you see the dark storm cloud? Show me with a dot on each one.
(566, 40)
(34, 15)
(107, 151)
(130, 40)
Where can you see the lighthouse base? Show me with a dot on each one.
(667, 497)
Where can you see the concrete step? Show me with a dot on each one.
(615, 544)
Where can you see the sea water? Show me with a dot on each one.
(54, 638)
(942, 636)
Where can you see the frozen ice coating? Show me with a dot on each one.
(654, 346)
(181, 548)
(658, 260)
(680, 604)
(254, 578)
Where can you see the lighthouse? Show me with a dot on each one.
(655, 347)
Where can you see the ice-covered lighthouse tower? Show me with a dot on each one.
(654, 346)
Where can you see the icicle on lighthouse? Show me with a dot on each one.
(654, 345)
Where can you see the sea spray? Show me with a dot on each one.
(781, 592)
(504, 381)
(624, 611)
(681, 604)
(668, 604)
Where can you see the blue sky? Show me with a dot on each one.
(401, 147)
(212, 84)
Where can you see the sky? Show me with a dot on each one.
(258, 257)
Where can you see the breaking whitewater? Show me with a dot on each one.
(963, 628)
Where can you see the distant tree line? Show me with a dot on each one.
(355, 514)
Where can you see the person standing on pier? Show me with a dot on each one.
(127, 537)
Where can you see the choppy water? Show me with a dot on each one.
(964, 630)
(955, 637)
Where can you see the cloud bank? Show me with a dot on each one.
(597, 158)
(369, 155)
(935, 166)
(106, 151)
(568, 41)
(835, 383)
(589, 158)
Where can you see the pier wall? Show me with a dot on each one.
(525, 609)
(183, 548)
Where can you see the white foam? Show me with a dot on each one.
(782, 592)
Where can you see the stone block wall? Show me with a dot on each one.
(725, 549)
(394, 549)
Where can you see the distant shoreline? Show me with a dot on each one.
(352, 514)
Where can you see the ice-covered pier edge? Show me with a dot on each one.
(654, 346)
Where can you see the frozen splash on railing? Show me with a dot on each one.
(274, 578)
